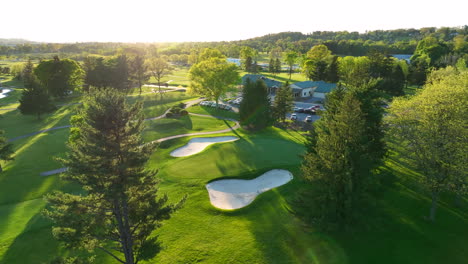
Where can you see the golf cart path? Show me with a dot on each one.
(188, 104)
(167, 90)
(236, 126)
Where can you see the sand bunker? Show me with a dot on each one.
(235, 194)
(4, 92)
(196, 145)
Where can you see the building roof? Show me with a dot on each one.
(269, 82)
(320, 86)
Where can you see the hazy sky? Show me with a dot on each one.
(214, 20)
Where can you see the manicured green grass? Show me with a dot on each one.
(164, 127)
(15, 124)
(207, 110)
(154, 105)
(393, 231)
(178, 77)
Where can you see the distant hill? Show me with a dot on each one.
(14, 41)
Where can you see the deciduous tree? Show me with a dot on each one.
(59, 77)
(212, 77)
(159, 68)
(290, 57)
(432, 125)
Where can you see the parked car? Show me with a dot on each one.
(310, 110)
(293, 117)
(308, 119)
(298, 110)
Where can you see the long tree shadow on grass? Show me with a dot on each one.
(392, 227)
(34, 244)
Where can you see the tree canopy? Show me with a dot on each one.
(212, 77)
(433, 126)
(59, 77)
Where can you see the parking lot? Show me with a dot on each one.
(302, 116)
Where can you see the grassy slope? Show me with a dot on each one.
(165, 127)
(178, 77)
(264, 232)
(207, 110)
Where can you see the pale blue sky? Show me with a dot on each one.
(214, 20)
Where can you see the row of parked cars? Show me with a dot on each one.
(213, 104)
(236, 101)
(308, 119)
(311, 110)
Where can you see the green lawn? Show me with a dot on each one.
(156, 129)
(393, 231)
(178, 77)
(207, 110)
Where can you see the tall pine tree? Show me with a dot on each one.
(255, 108)
(344, 149)
(35, 100)
(121, 207)
(284, 102)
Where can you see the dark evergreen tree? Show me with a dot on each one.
(28, 76)
(319, 72)
(255, 108)
(284, 102)
(248, 64)
(254, 67)
(277, 66)
(120, 207)
(380, 65)
(35, 101)
(344, 149)
(139, 71)
(271, 66)
(121, 76)
(331, 74)
(394, 83)
(6, 149)
(418, 70)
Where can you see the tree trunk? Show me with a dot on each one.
(159, 88)
(1, 169)
(435, 197)
(124, 232)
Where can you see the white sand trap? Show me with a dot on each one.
(196, 145)
(4, 92)
(235, 194)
